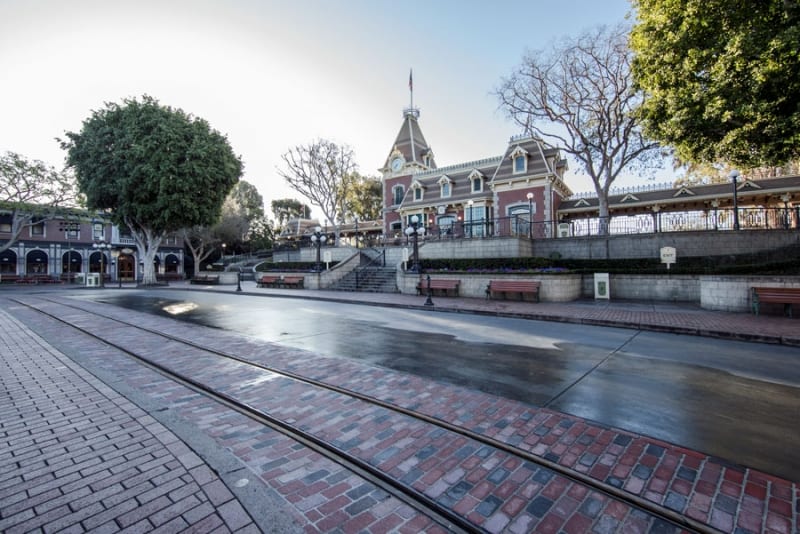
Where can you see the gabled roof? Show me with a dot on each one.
(748, 191)
(410, 143)
(542, 160)
(459, 179)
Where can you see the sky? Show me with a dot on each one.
(274, 74)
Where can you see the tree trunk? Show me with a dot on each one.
(147, 244)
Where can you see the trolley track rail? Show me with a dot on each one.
(411, 496)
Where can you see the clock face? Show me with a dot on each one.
(397, 164)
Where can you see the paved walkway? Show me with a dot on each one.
(76, 455)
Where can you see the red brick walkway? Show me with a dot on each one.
(76, 456)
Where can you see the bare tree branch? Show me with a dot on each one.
(583, 86)
(318, 171)
(31, 190)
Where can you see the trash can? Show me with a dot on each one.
(601, 288)
(93, 280)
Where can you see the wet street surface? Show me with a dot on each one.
(735, 400)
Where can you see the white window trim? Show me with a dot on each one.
(43, 232)
(517, 153)
(478, 176)
(522, 207)
(445, 180)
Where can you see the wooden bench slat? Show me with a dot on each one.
(778, 295)
(439, 283)
(513, 286)
(268, 281)
(293, 281)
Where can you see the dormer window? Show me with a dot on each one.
(446, 185)
(476, 181)
(418, 191)
(519, 160)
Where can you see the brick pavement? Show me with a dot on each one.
(76, 456)
(726, 497)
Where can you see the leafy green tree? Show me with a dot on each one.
(319, 171)
(579, 95)
(156, 169)
(241, 208)
(721, 78)
(245, 200)
(31, 191)
(285, 209)
(364, 197)
(261, 235)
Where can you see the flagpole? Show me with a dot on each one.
(411, 86)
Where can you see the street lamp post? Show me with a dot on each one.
(429, 300)
(530, 214)
(69, 227)
(785, 198)
(318, 238)
(470, 203)
(734, 175)
(414, 231)
(223, 252)
(356, 221)
(115, 254)
(102, 246)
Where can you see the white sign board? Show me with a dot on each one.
(601, 289)
(668, 255)
(326, 256)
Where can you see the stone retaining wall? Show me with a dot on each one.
(554, 288)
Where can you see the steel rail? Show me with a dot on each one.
(618, 494)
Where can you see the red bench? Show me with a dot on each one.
(778, 295)
(522, 287)
(268, 281)
(293, 281)
(439, 284)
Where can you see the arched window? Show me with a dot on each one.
(71, 262)
(36, 262)
(521, 219)
(171, 263)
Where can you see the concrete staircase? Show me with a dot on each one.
(371, 275)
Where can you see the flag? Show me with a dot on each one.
(410, 81)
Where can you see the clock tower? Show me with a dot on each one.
(410, 154)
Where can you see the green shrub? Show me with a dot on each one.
(290, 266)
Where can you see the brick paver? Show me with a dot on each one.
(495, 492)
(76, 456)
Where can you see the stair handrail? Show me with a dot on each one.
(370, 265)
